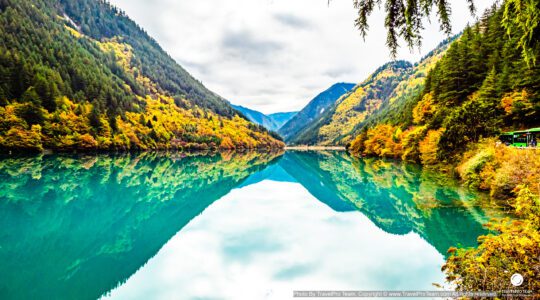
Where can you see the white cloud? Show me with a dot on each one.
(274, 55)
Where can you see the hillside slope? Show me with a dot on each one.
(313, 110)
(337, 123)
(82, 75)
(387, 95)
(397, 108)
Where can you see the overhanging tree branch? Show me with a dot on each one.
(404, 19)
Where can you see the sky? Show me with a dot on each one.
(276, 55)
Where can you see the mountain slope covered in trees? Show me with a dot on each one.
(397, 109)
(313, 110)
(82, 75)
(339, 120)
(395, 84)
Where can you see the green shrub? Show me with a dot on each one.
(471, 170)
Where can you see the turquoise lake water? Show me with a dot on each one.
(225, 226)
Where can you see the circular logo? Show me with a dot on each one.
(516, 279)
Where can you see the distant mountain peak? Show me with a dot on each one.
(271, 122)
(316, 107)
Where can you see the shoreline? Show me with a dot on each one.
(27, 152)
(316, 148)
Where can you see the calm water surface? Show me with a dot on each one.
(225, 226)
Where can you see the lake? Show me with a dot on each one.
(225, 226)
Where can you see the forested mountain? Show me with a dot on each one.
(313, 110)
(82, 75)
(481, 87)
(271, 122)
(338, 122)
(387, 94)
(397, 108)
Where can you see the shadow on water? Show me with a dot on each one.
(78, 226)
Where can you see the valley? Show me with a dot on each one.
(124, 176)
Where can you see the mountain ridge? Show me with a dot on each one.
(337, 121)
(271, 122)
(313, 109)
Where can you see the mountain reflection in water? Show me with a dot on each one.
(80, 226)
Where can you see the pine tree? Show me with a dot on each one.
(31, 96)
(479, 117)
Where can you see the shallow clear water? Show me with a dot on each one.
(227, 226)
